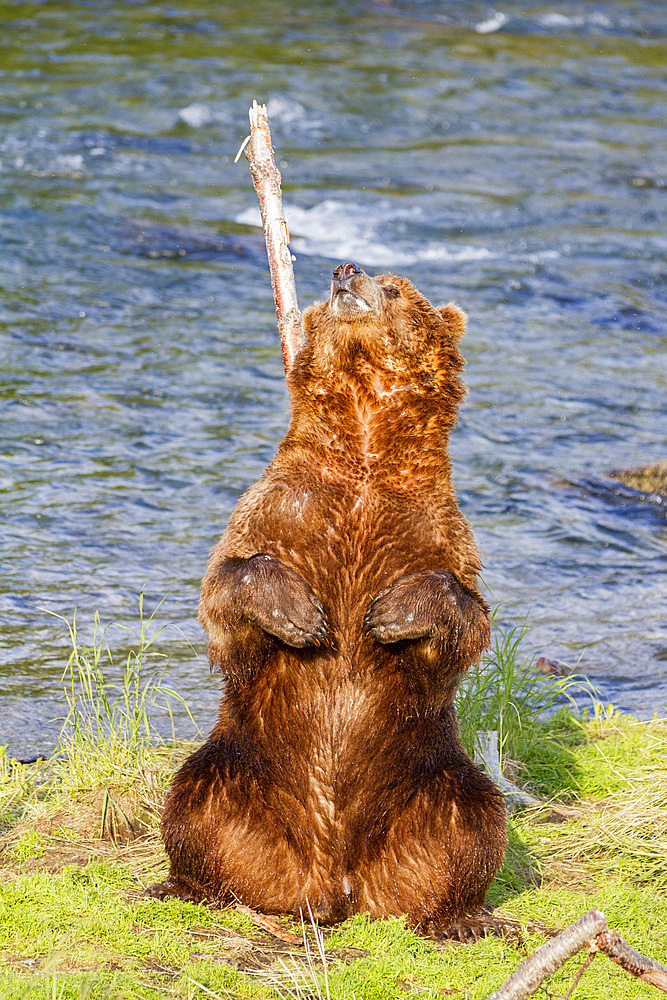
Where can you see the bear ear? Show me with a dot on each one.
(455, 320)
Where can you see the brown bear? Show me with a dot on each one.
(342, 608)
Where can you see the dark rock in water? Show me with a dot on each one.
(551, 668)
(634, 495)
(645, 478)
(150, 239)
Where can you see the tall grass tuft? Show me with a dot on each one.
(108, 727)
(504, 692)
(17, 784)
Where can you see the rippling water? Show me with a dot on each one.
(508, 158)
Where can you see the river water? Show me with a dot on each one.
(509, 158)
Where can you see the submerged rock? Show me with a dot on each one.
(645, 478)
(159, 240)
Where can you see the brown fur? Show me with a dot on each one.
(342, 608)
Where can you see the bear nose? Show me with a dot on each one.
(344, 271)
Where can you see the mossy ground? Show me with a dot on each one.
(75, 861)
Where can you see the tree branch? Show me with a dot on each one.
(613, 945)
(590, 931)
(487, 754)
(550, 957)
(266, 179)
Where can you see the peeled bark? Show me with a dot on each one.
(268, 924)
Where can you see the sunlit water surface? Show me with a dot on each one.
(508, 158)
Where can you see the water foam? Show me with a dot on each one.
(348, 231)
(492, 23)
(196, 115)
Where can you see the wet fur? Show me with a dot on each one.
(342, 608)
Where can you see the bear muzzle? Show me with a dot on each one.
(354, 295)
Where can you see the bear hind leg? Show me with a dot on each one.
(439, 857)
(231, 833)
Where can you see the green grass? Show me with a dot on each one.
(505, 692)
(80, 842)
(108, 723)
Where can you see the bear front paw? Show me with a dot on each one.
(404, 610)
(430, 604)
(282, 603)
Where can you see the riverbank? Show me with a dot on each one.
(79, 842)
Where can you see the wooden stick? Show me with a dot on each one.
(266, 179)
(591, 931)
(268, 924)
(550, 957)
(487, 754)
(613, 945)
(592, 952)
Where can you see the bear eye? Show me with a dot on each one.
(391, 291)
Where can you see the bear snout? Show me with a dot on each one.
(343, 272)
